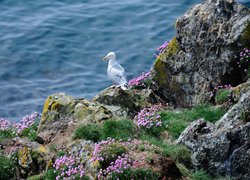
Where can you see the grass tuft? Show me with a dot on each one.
(200, 175)
(177, 121)
(7, 168)
(91, 132)
(119, 129)
(222, 96)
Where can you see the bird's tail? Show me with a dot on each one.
(124, 83)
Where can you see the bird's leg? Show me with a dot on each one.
(113, 86)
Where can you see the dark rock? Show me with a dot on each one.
(209, 38)
(225, 148)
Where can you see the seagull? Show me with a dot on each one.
(115, 71)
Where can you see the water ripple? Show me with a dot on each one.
(56, 46)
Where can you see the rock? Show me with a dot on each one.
(224, 148)
(62, 114)
(87, 111)
(208, 41)
(125, 103)
(190, 135)
(25, 162)
(57, 106)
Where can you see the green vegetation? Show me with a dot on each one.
(7, 168)
(110, 153)
(179, 153)
(61, 153)
(6, 134)
(200, 175)
(222, 96)
(245, 116)
(30, 132)
(116, 129)
(246, 36)
(37, 177)
(129, 174)
(119, 129)
(177, 121)
(50, 174)
(91, 132)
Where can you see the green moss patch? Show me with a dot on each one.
(7, 168)
(119, 129)
(179, 153)
(110, 153)
(173, 48)
(246, 37)
(222, 96)
(177, 121)
(200, 175)
(129, 174)
(245, 116)
(91, 132)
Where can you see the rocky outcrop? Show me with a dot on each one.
(125, 103)
(62, 114)
(223, 148)
(204, 52)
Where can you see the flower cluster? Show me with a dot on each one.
(149, 117)
(121, 163)
(68, 167)
(99, 146)
(139, 80)
(161, 49)
(4, 124)
(216, 88)
(244, 61)
(26, 122)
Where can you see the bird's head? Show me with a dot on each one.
(109, 56)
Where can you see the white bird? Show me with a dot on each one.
(115, 71)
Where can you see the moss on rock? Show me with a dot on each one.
(162, 75)
(24, 158)
(55, 104)
(173, 48)
(246, 36)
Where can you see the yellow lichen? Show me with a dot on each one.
(55, 106)
(24, 157)
(42, 149)
(172, 48)
(161, 76)
(95, 164)
(47, 105)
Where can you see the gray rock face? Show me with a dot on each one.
(125, 103)
(209, 38)
(223, 148)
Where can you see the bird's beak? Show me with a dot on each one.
(105, 58)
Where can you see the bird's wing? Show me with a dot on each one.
(117, 74)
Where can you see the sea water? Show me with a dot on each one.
(49, 46)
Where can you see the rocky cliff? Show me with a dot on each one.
(209, 39)
(184, 121)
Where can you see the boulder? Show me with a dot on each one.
(62, 114)
(125, 103)
(209, 39)
(223, 148)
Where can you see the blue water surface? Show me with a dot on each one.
(49, 46)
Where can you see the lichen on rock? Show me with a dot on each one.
(209, 38)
